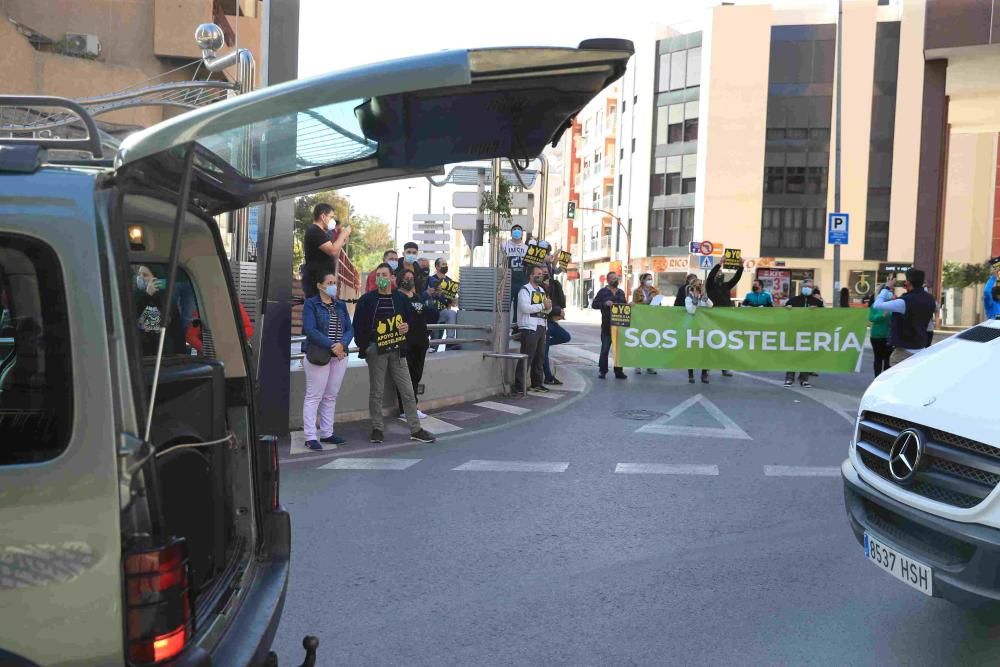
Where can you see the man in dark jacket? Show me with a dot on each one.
(719, 291)
(377, 313)
(602, 302)
(804, 300)
(911, 313)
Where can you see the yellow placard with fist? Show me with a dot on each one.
(388, 337)
(621, 315)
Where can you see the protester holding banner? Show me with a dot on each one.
(697, 298)
(444, 292)
(807, 299)
(758, 297)
(879, 337)
(424, 312)
(381, 321)
(720, 291)
(644, 295)
(603, 300)
(556, 334)
(533, 307)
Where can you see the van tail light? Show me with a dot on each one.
(158, 603)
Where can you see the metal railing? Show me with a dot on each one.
(433, 341)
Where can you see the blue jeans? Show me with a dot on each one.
(557, 336)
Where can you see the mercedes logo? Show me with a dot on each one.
(904, 457)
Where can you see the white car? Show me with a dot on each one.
(921, 480)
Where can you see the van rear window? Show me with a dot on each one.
(36, 395)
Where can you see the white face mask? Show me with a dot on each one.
(331, 291)
(140, 282)
(647, 282)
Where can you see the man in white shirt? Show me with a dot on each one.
(533, 307)
(515, 249)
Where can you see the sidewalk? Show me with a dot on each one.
(447, 424)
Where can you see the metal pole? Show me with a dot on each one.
(544, 198)
(836, 168)
(395, 231)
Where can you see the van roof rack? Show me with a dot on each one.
(31, 104)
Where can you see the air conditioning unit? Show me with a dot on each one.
(82, 45)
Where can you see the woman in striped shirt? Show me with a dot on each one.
(326, 324)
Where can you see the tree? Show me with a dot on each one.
(960, 276)
(370, 237)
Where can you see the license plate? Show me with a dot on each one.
(902, 567)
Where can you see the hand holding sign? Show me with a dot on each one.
(390, 333)
(449, 288)
(564, 259)
(535, 255)
(732, 259)
(621, 315)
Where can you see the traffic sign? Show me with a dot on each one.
(706, 247)
(838, 225)
(431, 217)
(471, 199)
(466, 220)
(706, 261)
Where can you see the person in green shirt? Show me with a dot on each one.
(879, 336)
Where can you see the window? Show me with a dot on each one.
(774, 180)
(795, 182)
(689, 171)
(675, 123)
(633, 144)
(876, 239)
(674, 175)
(656, 227)
(691, 121)
(694, 67)
(623, 105)
(798, 133)
(678, 70)
(687, 227)
(816, 180)
(661, 125)
(793, 231)
(620, 189)
(36, 399)
(621, 153)
(671, 228)
(775, 133)
(657, 185)
(663, 78)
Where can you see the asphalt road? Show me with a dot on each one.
(535, 551)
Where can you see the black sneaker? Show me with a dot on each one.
(651, 371)
(805, 384)
(621, 376)
(638, 371)
(704, 378)
(542, 389)
(314, 445)
(377, 436)
(602, 375)
(422, 436)
(690, 379)
(788, 383)
(554, 381)
(334, 440)
(727, 374)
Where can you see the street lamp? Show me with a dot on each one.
(628, 233)
(395, 231)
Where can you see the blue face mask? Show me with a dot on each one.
(516, 234)
(393, 264)
(807, 291)
(331, 291)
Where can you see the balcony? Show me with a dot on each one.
(595, 249)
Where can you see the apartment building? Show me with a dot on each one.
(727, 135)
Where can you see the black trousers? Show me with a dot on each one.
(533, 344)
(882, 350)
(415, 356)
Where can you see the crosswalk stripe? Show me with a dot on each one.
(554, 395)
(369, 464)
(666, 469)
(513, 466)
(503, 407)
(801, 471)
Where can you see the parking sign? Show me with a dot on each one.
(838, 225)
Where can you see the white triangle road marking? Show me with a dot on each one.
(663, 426)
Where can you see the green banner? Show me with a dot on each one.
(748, 339)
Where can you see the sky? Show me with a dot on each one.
(336, 35)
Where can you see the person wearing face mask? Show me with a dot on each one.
(389, 365)
(515, 249)
(807, 299)
(603, 300)
(424, 312)
(443, 303)
(533, 308)
(758, 297)
(719, 290)
(682, 291)
(321, 252)
(391, 258)
(150, 296)
(328, 331)
(911, 314)
(644, 295)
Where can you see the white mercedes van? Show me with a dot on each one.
(921, 479)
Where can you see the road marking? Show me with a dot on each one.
(666, 469)
(801, 471)
(435, 425)
(503, 407)
(552, 394)
(844, 405)
(513, 466)
(730, 429)
(369, 464)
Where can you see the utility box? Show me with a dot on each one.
(478, 286)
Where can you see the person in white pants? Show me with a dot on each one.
(327, 326)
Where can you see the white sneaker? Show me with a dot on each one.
(421, 415)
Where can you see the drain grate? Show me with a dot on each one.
(637, 415)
